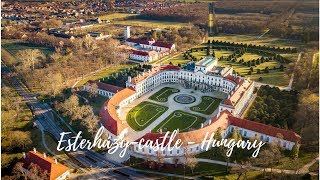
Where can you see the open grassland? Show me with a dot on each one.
(177, 60)
(207, 105)
(180, 120)
(265, 40)
(104, 73)
(151, 23)
(115, 16)
(254, 39)
(163, 94)
(249, 56)
(142, 115)
(223, 53)
(14, 46)
(274, 77)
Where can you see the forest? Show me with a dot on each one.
(292, 19)
(274, 107)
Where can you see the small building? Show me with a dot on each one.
(104, 89)
(55, 170)
(127, 32)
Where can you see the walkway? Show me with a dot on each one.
(292, 76)
(173, 106)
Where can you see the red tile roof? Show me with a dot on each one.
(169, 67)
(154, 71)
(109, 117)
(232, 78)
(106, 87)
(162, 44)
(46, 164)
(264, 129)
(141, 53)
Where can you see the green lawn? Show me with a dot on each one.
(207, 106)
(224, 53)
(180, 120)
(142, 115)
(265, 40)
(104, 73)
(176, 60)
(248, 57)
(274, 77)
(14, 46)
(163, 94)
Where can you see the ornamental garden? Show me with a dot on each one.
(172, 109)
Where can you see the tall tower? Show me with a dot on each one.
(211, 19)
(126, 32)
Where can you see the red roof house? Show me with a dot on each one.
(53, 168)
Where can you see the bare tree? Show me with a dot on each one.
(160, 159)
(18, 171)
(30, 57)
(241, 169)
(191, 162)
(93, 89)
(91, 122)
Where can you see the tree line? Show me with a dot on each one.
(49, 74)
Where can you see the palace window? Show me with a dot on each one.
(284, 144)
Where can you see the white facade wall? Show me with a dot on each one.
(64, 175)
(285, 144)
(243, 102)
(100, 91)
(196, 148)
(172, 76)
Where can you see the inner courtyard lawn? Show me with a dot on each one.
(207, 106)
(180, 120)
(163, 94)
(142, 115)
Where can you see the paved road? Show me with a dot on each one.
(88, 158)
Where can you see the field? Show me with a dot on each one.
(207, 106)
(14, 46)
(178, 59)
(104, 73)
(115, 16)
(142, 115)
(150, 23)
(163, 94)
(254, 39)
(180, 120)
(265, 40)
(274, 77)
